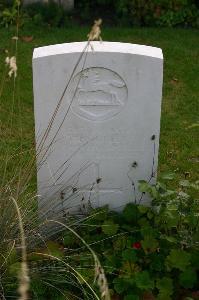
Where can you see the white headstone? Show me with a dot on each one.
(103, 106)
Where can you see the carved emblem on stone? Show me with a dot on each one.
(100, 94)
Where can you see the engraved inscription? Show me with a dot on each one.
(100, 94)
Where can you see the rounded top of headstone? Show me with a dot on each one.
(113, 47)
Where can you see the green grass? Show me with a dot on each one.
(178, 141)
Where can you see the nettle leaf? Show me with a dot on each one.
(129, 254)
(109, 227)
(165, 286)
(188, 278)
(144, 281)
(131, 297)
(178, 259)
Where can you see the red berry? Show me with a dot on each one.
(136, 245)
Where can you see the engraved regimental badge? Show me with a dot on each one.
(99, 94)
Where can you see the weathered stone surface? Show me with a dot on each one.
(105, 134)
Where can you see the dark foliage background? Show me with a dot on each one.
(141, 12)
(153, 13)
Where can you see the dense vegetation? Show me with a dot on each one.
(159, 13)
(143, 13)
(147, 253)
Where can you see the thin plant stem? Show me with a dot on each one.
(24, 274)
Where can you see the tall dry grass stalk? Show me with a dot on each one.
(20, 228)
(24, 279)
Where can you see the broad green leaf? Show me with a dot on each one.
(165, 286)
(178, 259)
(148, 231)
(129, 254)
(143, 209)
(154, 192)
(144, 281)
(149, 243)
(120, 285)
(157, 262)
(131, 213)
(150, 215)
(161, 187)
(188, 278)
(129, 269)
(109, 227)
(144, 222)
(144, 186)
(172, 217)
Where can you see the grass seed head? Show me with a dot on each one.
(95, 33)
